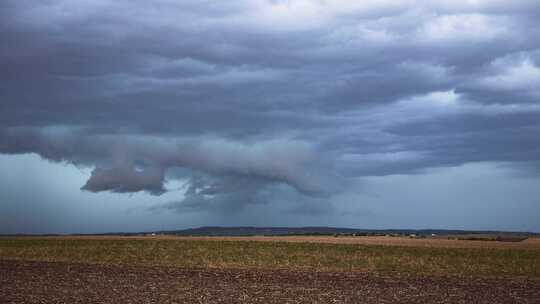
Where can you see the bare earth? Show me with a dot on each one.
(54, 282)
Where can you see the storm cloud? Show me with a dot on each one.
(300, 97)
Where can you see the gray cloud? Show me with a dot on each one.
(254, 94)
(134, 163)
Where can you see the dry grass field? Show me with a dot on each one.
(530, 243)
(433, 242)
(165, 269)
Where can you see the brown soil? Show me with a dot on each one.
(52, 282)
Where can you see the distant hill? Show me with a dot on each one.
(279, 231)
(283, 231)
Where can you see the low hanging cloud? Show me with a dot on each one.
(224, 193)
(126, 179)
(132, 163)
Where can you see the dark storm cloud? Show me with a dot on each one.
(226, 194)
(259, 94)
(135, 163)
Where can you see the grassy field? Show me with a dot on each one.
(404, 241)
(277, 255)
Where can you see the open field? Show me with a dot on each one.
(321, 254)
(231, 270)
(436, 242)
(54, 282)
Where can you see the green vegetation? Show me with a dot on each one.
(277, 255)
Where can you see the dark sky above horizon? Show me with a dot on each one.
(130, 115)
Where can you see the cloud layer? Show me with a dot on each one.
(248, 95)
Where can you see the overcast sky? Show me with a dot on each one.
(145, 115)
